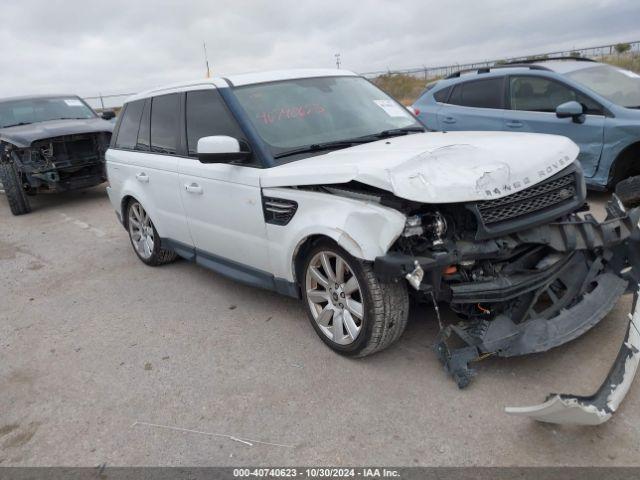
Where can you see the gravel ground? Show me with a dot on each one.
(99, 353)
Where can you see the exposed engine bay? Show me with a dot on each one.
(59, 164)
(524, 273)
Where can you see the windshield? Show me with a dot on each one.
(293, 114)
(615, 84)
(24, 112)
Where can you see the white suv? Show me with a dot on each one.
(318, 185)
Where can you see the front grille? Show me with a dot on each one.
(278, 211)
(533, 199)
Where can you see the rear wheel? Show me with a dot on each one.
(351, 310)
(144, 237)
(16, 196)
(628, 191)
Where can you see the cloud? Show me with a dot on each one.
(90, 47)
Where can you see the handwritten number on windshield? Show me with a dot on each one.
(289, 113)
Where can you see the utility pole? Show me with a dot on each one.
(337, 55)
(206, 59)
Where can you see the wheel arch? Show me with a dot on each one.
(623, 166)
(148, 207)
(364, 229)
(300, 252)
(130, 193)
(124, 205)
(339, 238)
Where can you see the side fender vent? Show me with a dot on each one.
(278, 211)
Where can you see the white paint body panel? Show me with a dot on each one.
(366, 230)
(153, 180)
(225, 218)
(437, 167)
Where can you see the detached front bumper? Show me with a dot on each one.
(604, 260)
(599, 407)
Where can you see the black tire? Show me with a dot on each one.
(16, 196)
(158, 256)
(385, 305)
(628, 191)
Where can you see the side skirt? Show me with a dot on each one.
(234, 270)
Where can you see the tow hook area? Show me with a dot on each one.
(456, 360)
(415, 277)
(599, 407)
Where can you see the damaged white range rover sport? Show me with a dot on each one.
(318, 185)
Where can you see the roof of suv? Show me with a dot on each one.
(565, 66)
(558, 65)
(244, 79)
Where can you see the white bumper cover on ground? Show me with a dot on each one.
(597, 408)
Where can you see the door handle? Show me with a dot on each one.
(514, 124)
(193, 188)
(142, 177)
(448, 120)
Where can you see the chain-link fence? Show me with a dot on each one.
(444, 70)
(106, 102)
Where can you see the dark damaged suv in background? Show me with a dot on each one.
(50, 144)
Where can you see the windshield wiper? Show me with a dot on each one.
(17, 124)
(318, 147)
(394, 132)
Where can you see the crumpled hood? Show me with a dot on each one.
(24, 135)
(437, 167)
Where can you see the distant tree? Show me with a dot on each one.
(501, 62)
(575, 54)
(622, 47)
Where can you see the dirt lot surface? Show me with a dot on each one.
(93, 341)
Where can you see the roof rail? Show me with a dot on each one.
(495, 67)
(535, 60)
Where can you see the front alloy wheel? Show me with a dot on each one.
(353, 311)
(334, 297)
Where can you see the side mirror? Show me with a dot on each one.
(221, 149)
(572, 110)
(108, 114)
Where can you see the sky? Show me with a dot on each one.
(106, 47)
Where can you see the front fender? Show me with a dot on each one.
(364, 229)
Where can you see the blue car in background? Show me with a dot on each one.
(594, 104)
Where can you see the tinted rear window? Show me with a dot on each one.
(442, 95)
(165, 121)
(487, 93)
(128, 131)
